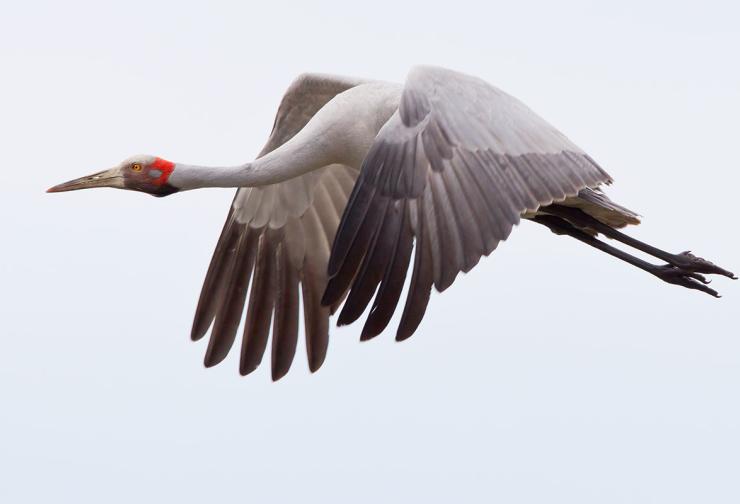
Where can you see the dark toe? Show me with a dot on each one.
(688, 279)
(689, 262)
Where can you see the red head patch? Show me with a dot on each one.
(166, 167)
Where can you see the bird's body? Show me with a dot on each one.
(362, 181)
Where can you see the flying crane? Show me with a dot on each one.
(361, 181)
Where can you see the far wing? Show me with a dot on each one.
(278, 238)
(450, 173)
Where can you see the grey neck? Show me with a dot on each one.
(341, 132)
(186, 177)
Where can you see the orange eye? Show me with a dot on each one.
(136, 167)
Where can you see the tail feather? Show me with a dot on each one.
(598, 205)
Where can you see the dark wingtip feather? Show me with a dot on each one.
(391, 286)
(245, 369)
(197, 334)
(360, 202)
(408, 327)
(315, 316)
(358, 227)
(218, 269)
(229, 313)
(211, 360)
(333, 291)
(285, 327)
(420, 289)
(277, 373)
(367, 333)
(316, 363)
(317, 343)
(261, 303)
(379, 258)
(445, 282)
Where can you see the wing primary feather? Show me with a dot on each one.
(285, 328)
(261, 302)
(371, 270)
(361, 239)
(316, 320)
(421, 283)
(450, 244)
(230, 312)
(393, 278)
(216, 278)
(313, 283)
(358, 206)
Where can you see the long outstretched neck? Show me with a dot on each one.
(340, 132)
(186, 176)
(292, 159)
(333, 135)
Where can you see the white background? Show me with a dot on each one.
(551, 373)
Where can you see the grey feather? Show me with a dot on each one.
(274, 230)
(470, 160)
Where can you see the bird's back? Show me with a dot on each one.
(348, 124)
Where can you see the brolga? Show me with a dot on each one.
(361, 181)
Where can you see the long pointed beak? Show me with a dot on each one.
(106, 178)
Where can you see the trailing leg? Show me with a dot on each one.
(685, 260)
(667, 272)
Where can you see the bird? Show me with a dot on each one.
(362, 182)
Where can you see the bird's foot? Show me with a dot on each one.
(689, 279)
(687, 261)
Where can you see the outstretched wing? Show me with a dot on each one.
(277, 237)
(451, 171)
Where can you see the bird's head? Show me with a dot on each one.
(143, 173)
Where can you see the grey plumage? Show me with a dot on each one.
(279, 237)
(447, 177)
(440, 169)
(461, 161)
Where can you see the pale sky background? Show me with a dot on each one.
(551, 373)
